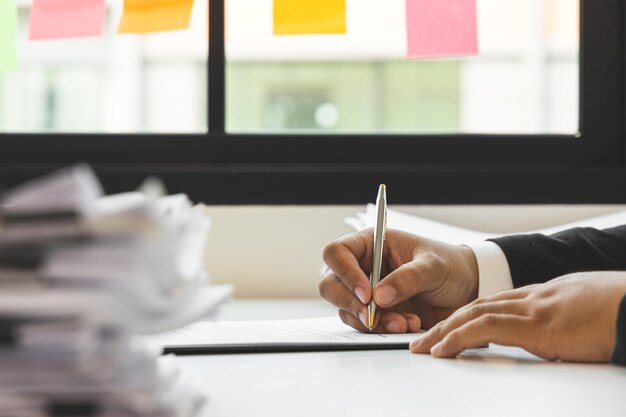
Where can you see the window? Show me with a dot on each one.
(111, 84)
(525, 79)
(538, 117)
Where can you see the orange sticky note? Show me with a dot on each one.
(301, 17)
(142, 16)
(50, 19)
(437, 28)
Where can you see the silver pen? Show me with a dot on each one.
(379, 242)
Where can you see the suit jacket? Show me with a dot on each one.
(537, 258)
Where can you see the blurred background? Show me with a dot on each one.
(525, 79)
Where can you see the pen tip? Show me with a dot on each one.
(383, 187)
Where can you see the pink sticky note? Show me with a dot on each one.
(52, 19)
(438, 28)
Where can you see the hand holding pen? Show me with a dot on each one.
(422, 281)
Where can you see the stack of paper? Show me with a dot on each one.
(457, 235)
(82, 278)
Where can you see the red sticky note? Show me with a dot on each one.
(439, 28)
(53, 19)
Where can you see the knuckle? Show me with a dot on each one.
(453, 338)
(474, 304)
(541, 312)
(489, 320)
(353, 305)
(477, 303)
(438, 331)
(477, 310)
(436, 266)
(349, 277)
(323, 287)
(436, 261)
(432, 260)
(330, 251)
(428, 270)
(533, 292)
(549, 292)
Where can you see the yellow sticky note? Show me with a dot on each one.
(301, 17)
(142, 16)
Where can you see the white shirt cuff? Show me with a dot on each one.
(494, 274)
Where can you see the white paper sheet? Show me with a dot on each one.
(316, 332)
(457, 235)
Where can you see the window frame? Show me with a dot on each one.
(223, 168)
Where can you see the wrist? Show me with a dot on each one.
(469, 272)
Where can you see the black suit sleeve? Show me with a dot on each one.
(537, 258)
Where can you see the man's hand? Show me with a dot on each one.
(571, 318)
(424, 281)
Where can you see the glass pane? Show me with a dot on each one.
(525, 79)
(112, 84)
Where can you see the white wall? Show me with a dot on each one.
(275, 252)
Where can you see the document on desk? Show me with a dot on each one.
(303, 335)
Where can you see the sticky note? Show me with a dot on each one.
(301, 17)
(142, 16)
(53, 19)
(8, 35)
(438, 28)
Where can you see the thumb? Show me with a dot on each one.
(422, 274)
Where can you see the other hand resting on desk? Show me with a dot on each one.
(571, 318)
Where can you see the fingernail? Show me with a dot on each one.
(414, 345)
(393, 327)
(386, 295)
(360, 292)
(418, 341)
(363, 318)
(436, 350)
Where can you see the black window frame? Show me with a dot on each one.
(223, 168)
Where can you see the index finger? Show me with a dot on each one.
(463, 316)
(343, 257)
(502, 329)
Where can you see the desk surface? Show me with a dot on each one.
(498, 381)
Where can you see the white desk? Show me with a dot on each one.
(492, 382)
